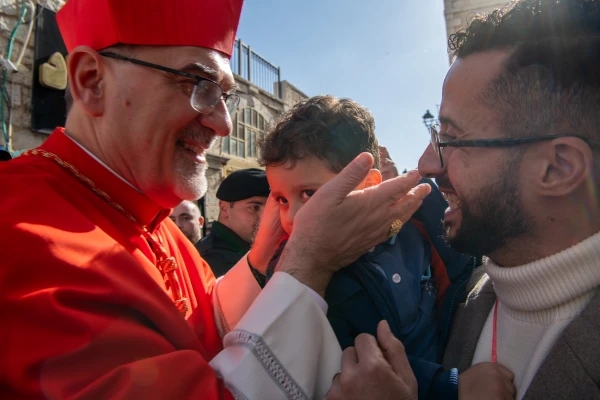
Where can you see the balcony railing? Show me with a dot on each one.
(256, 69)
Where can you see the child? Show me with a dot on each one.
(412, 280)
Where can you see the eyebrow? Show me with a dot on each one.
(305, 186)
(212, 74)
(260, 203)
(449, 121)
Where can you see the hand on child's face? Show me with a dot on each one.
(293, 187)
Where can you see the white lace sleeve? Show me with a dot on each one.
(282, 348)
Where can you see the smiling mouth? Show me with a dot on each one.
(452, 199)
(195, 148)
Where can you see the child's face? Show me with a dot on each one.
(292, 187)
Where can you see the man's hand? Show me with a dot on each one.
(486, 381)
(371, 371)
(335, 227)
(387, 166)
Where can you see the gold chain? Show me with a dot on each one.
(165, 264)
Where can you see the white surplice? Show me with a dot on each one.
(278, 343)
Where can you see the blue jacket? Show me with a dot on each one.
(366, 292)
(395, 282)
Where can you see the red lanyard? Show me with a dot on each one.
(494, 346)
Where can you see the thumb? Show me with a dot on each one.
(349, 178)
(393, 350)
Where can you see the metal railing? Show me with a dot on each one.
(255, 69)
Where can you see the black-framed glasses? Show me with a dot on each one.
(206, 93)
(437, 145)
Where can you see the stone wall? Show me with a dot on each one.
(458, 12)
(19, 83)
(290, 94)
(222, 164)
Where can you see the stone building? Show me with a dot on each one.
(32, 109)
(458, 12)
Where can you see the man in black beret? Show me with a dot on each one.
(242, 197)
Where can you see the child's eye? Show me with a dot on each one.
(281, 200)
(307, 194)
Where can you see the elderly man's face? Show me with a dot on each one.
(482, 185)
(155, 132)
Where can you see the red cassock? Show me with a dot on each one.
(85, 313)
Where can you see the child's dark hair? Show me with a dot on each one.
(331, 129)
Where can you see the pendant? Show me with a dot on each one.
(167, 265)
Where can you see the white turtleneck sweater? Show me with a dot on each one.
(536, 302)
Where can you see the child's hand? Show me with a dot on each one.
(486, 381)
(268, 237)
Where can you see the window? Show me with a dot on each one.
(249, 125)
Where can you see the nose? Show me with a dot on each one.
(429, 163)
(218, 120)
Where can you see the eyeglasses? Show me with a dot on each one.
(437, 145)
(206, 93)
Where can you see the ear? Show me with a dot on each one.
(223, 209)
(568, 162)
(86, 80)
(373, 179)
(201, 221)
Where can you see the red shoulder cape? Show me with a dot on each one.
(85, 312)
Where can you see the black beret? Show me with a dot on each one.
(243, 184)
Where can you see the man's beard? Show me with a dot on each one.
(255, 230)
(191, 180)
(492, 219)
(191, 177)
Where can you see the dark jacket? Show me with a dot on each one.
(570, 371)
(360, 295)
(222, 248)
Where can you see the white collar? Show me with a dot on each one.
(101, 162)
(546, 285)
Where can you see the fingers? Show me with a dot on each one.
(507, 373)
(349, 358)
(271, 205)
(393, 350)
(394, 189)
(509, 387)
(335, 392)
(512, 390)
(405, 207)
(349, 178)
(367, 348)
